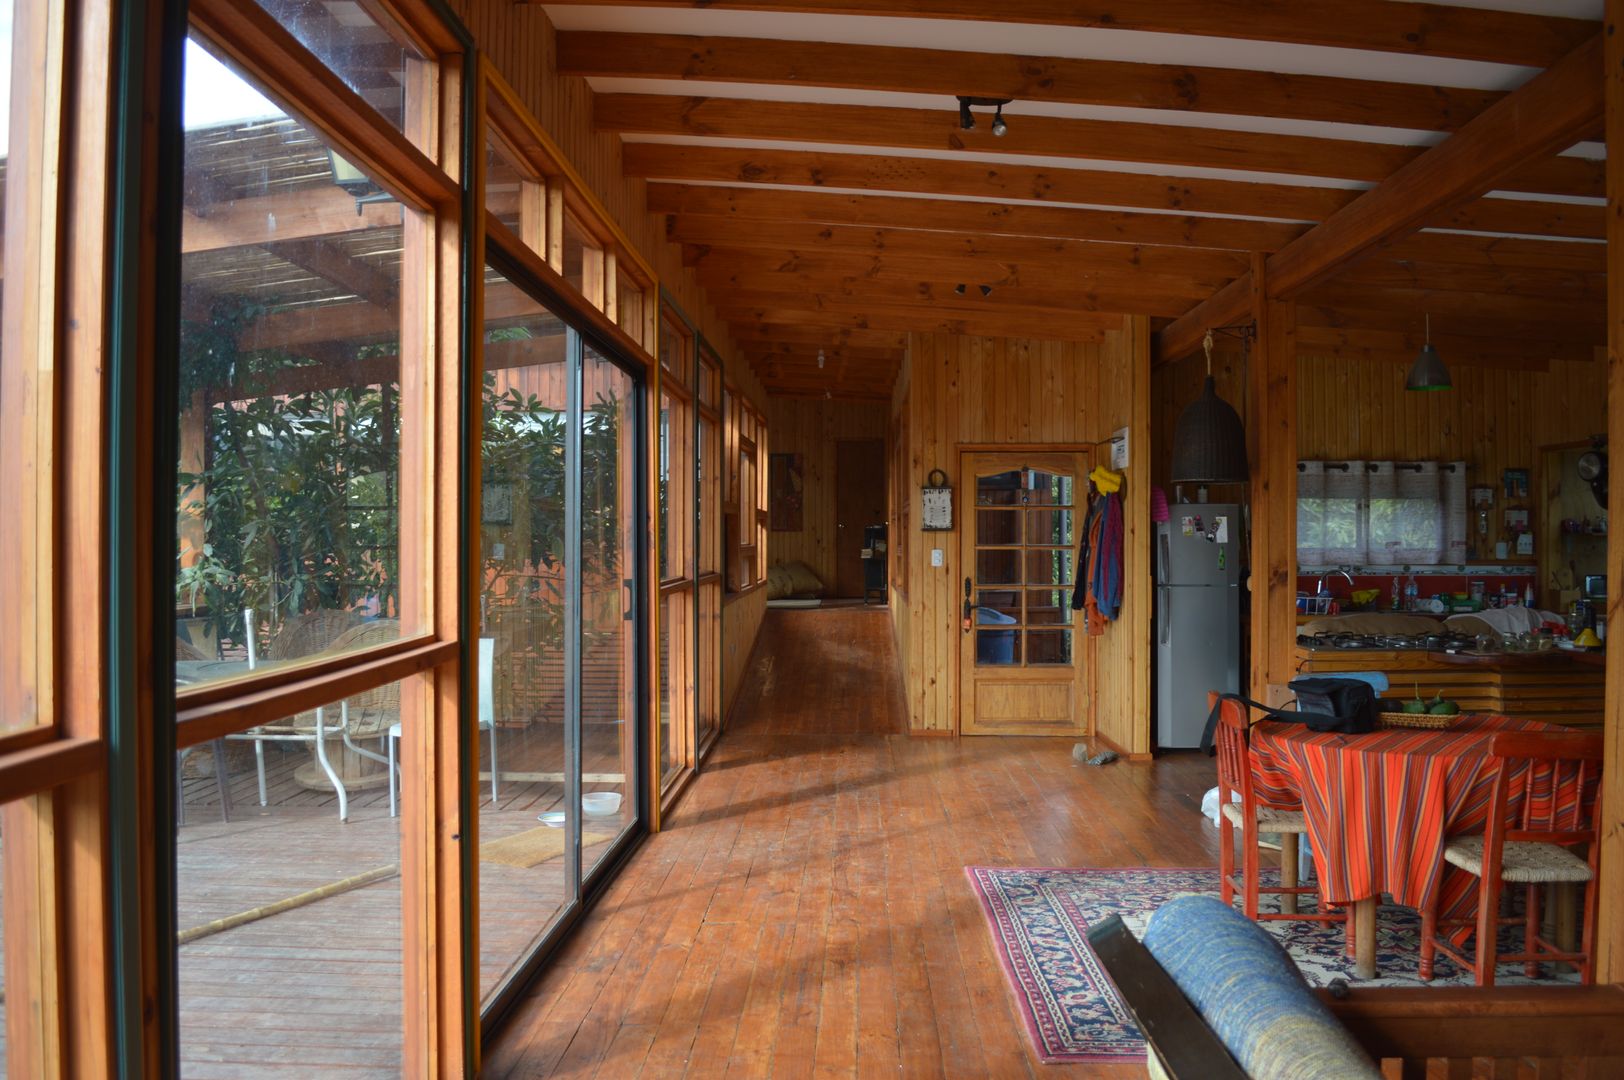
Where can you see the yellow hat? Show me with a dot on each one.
(1105, 479)
(1587, 639)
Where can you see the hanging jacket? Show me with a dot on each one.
(1099, 570)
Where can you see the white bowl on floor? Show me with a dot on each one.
(601, 803)
(552, 819)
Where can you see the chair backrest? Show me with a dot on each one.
(1230, 738)
(1557, 777)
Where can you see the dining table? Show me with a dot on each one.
(1381, 806)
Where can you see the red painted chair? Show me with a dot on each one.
(1255, 817)
(1534, 849)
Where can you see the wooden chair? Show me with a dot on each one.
(1534, 851)
(1255, 817)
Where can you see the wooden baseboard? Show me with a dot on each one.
(1121, 753)
(932, 733)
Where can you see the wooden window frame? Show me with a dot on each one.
(510, 123)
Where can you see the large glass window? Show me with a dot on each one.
(371, 54)
(289, 482)
(522, 723)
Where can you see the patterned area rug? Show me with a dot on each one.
(1039, 918)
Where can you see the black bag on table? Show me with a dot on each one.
(1348, 706)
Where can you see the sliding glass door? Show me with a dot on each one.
(561, 545)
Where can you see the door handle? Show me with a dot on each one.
(1167, 611)
(1167, 558)
(969, 608)
(627, 613)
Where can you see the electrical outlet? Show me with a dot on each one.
(937, 558)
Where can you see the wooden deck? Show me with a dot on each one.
(317, 989)
(806, 912)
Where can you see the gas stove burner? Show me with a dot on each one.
(1442, 641)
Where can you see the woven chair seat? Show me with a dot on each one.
(1269, 819)
(1526, 861)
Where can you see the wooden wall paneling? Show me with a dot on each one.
(810, 427)
(1610, 941)
(957, 390)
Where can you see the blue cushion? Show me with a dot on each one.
(1251, 994)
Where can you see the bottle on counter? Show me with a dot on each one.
(1395, 593)
(1528, 595)
(1412, 594)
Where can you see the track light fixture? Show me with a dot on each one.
(967, 121)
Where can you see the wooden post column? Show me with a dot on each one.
(1272, 452)
(1610, 936)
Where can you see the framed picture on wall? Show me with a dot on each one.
(785, 492)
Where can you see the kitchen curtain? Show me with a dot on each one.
(1381, 513)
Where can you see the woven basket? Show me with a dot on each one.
(1428, 721)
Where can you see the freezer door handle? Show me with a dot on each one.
(1167, 559)
(1166, 606)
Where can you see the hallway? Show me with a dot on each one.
(806, 913)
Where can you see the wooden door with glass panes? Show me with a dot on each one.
(1021, 668)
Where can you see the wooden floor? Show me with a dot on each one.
(806, 911)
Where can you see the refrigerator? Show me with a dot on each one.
(1198, 555)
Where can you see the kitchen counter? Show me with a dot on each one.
(1558, 686)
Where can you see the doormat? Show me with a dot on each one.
(1039, 917)
(535, 846)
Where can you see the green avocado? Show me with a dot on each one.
(1443, 708)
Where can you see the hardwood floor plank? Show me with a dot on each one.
(806, 912)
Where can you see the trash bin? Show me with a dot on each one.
(995, 646)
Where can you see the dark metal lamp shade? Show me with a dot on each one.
(1428, 371)
(1209, 444)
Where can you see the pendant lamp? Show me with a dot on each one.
(1209, 444)
(1428, 371)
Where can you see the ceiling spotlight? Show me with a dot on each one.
(959, 288)
(986, 290)
(820, 359)
(967, 122)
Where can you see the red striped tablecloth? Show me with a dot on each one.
(1380, 806)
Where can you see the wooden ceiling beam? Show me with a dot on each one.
(1563, 285)
(1052, 136)
(804, 311)
(992, 218)
(1024, 78)
(1116, 297)
(1394, 345)
(1506, 252)
(714, 239)
(321, 257)
(768, 333)
(1000, 180)
(1496, 37)
(1547, 113)
(1348, 295)
(1473, 327)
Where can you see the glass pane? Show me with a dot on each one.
(1049, 567)
(1000, 489)
(674, 348)
(515, 196)
(576, 256)
(287, 498)
(1049, 527)
(998, 567)
(521, 603)
(286, 912)
(1048, 646)
(1005, 603)
(371, 57)
(629, 300)
(709, 378)
(609, 546)
(710, 661)
(998, 647)
(1048, 606)
(676, 680)
(1048, 489)
(709, 450)
(998, 526)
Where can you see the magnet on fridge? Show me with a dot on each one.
(1223, 529)
(1223, 557)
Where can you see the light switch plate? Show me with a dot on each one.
(936, 557)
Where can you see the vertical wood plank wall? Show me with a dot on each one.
(811, 427)
(972, 390)
(1610, 889)
(521, 41)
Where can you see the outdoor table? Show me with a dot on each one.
(1380, 807)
